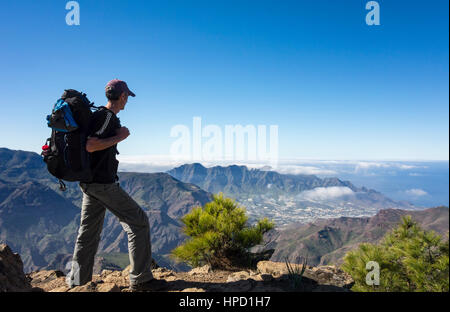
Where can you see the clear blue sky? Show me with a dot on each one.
(337, 88)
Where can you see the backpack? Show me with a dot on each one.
(65, 151)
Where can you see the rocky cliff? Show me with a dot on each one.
(12, 277)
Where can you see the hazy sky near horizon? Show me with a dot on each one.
(336, 87)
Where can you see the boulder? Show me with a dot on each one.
(45, 276)
(238, 276)
(330, 275)
(107, 287)
(201, 270)
(275, 268)
(12, 277)
(118, 278)
(323, 275)
(89, 287)
(48, 280)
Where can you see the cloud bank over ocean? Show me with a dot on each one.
(326, 193)
(424, 183)
(416, 192)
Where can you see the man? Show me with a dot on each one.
(104, 192)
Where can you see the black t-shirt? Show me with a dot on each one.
(104, 164)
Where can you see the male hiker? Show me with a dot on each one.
(105, 192)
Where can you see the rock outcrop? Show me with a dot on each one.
(12, 277)
(267, 277)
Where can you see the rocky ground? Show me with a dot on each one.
(267, 277)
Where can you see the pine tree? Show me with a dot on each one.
(219, 234)
(409, 258)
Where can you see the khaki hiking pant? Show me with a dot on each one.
(96, 199)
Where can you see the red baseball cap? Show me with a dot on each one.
(119, 86)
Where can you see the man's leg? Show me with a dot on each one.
(135, 222)
(91, 224)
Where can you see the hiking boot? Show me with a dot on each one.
(151, 285)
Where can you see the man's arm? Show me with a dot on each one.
(95, 144)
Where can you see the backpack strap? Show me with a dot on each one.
(62, 185)
(93, 106)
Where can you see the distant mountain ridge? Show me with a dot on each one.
(325, 242)
(287, 198)
(13, 163)
(32, 221)
(240, 179)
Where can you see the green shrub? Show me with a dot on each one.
(295, 273)
(219, 235)
(409, 258)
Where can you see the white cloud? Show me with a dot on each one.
(154, 163)
(326, 193)
(406, 167)
(148, 163)
(367, 165)
(416, 192)
(296, 169)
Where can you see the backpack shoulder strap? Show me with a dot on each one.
(95, 107)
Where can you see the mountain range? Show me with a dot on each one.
(287, 198)
(41, 222)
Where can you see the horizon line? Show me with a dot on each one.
(169, 158)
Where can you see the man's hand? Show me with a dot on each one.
(94, 144)
(122, 133)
